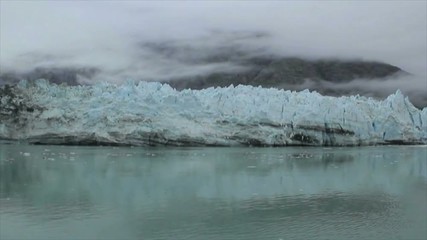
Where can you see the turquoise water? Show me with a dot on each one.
(58, 192)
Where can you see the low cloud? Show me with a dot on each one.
(414, 87)
(157, 41)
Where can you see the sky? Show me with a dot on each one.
(114, 35)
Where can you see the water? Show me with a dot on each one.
(57, 192)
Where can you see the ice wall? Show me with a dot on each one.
(148, 113)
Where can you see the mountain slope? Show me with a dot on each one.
(283, 72)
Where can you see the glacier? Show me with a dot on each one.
(152, 114)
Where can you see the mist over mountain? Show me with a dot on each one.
(234, 63)
(335, 48)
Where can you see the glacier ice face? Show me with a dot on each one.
(149, 113)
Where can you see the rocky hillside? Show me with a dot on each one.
(69, 76)
(291, 73)
(264, 71)
(326, 76)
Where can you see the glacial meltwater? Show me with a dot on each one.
(70, 192)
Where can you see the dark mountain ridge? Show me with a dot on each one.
(290, 73)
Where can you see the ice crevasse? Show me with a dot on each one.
(150, 113)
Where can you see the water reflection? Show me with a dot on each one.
(212, 193)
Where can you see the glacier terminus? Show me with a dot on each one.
(151, 113)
